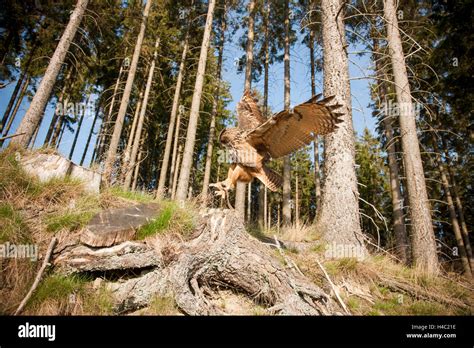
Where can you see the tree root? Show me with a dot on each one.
(220, 255)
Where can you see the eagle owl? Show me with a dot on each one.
(256, 140)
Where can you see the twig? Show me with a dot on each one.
(339, 299)
(289, 261)
(11, 136)
(53, 242)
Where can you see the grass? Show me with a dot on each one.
(71, 295)
(130, 195)
(57, 287)
(98, 302)
(69, 221)
(13, 228)
(162, 305)
(171, 218)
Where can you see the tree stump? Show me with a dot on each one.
(219, 255)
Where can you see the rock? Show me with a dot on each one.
(90, 178)
(46, 166)
(117, 225)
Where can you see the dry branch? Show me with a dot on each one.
(38, 275)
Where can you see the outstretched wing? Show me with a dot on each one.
(248, 113)
(290, 130)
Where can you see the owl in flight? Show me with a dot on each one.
(256, 140)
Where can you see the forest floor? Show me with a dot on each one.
(32, 212)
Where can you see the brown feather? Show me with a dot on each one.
(288, 131)
(269, 178)
(249, 114)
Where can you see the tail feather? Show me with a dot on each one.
(270, 179)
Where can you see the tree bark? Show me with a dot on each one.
(114, 141)
(174, 170)
(195, 105)
(401, 236)
(171, 126)
(215, 104)
(286, 204)
(174, 184)
(137, 169)
(38, 104)
(317, 175)
(399, 229)
(423, 239)
(262, 193)
(141, 120)
(338, 212)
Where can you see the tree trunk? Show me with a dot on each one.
(241, 187)
(249, 48)
(38, 104)
(106, 122)
(286, 208)
(76, 136)
(459, 206)
(317, 176)
(24, 88)
(195, 105)
(174, 164)
(89, 137)
(262, 193)
(454, 220)
(338, 212)
(297, 202)
(174, 184)
(219, 255)
(114, 141)
(215, 104)
(423, 239)
(141, 120)
(171, 126)
(401, 236)
(24, 74)
(137, 169)
(10, 105)
(400, 232)
(131, 136)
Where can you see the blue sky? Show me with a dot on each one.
(300, 92)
